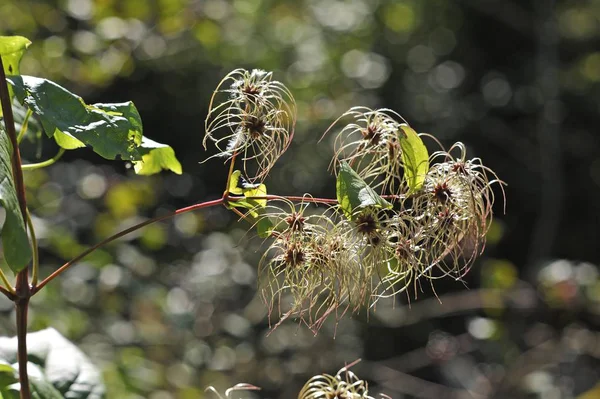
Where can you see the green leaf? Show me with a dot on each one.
(415, 158)
(40, 388)
(156, 157)
(7, 375)
(249, 191)
(17, 251)
(264, 227)
(258, 191)
(114, 131)
(57, 368)
(233, 183)
(251, 203)
(12, 49)
(354, 193)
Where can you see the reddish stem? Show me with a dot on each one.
(120, 234)
(22, 307)
(22, 288)
(7, 293)
(293, 198)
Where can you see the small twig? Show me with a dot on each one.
(8, 292)
(34, 248)
(292, 198)
(419, 388)
(5, 281)
(546, 354)
(24, 125)
(231, 165)
(462, 302)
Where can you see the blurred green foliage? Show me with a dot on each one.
(172, 309)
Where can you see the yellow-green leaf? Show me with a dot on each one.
(260, 191)
(158, 157)
(12, 49)
(249, 191)
(415, 158)
(233, 183)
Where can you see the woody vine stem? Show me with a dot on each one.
(401, 214)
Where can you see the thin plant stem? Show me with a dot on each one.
(120, 234)
(22, 288)
(24, 125)
(5, 281)
(293, 198)
(34, 248)
(9, 292)
(45, 163)
(231, 165)
(22, 307)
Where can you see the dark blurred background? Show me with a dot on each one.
(171, 309)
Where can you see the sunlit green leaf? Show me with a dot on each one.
(17, 251)
(249, 191)
(156, 157)
(354, 193)
(12, 49)
(233, 183)
(57, 368)
(260, 191)
(415, 158)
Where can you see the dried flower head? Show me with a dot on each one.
(344, 385)
(236, 388)
(404, 258)
(253, 116)
(311, 262)
(456, 211)
(371, 145)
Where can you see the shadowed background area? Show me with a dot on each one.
(173, 308)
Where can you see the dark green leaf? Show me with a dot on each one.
(17, 250)
(264, 227)
(415, 158)
(354, 193)
(156, 157)
(114, 131)
(57, 368)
